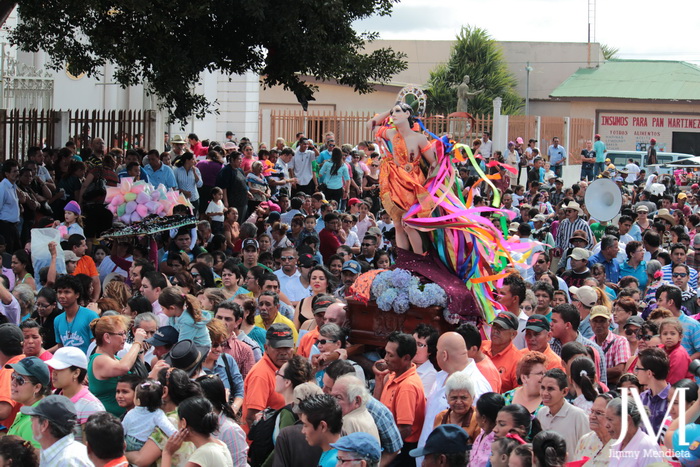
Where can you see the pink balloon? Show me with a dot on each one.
(112, 208)
(137, 189)
(142, 198)
(142, 210)
(119, 199)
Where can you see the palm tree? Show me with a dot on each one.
(609, 52)
(475, 54)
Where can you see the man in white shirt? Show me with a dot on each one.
(452, 357)
(486, 148)
(290, 277)
(632, 170)
(53, 421)
(300, 168)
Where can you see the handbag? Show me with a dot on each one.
(96, 189)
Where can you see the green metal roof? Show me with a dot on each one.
(634, 79)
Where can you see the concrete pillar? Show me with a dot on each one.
(61, 132)
(538, 131)
(266, 130)
(500, 130)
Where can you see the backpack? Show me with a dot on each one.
(260, 435)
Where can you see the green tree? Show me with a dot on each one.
(609, 52)
(475, 54)
(166, 44)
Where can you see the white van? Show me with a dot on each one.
(619, 158)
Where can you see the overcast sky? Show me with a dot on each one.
(641, 29)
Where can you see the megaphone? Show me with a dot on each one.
(603, 199)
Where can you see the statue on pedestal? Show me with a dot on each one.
(463, 95)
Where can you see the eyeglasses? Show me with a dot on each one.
(18, 379)
(287, 258)
(639, 369)
(630, 332)
(680, 274)
(647, 337)
(278, 373)
(123, 333)
(214, 346)
(42, 306)
(325, 341)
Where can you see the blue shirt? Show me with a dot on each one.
(640, 272)
(691, 334)
(612, 268)
(668, 276)
(76, 333)
(324, 156)
(389, 435)
(9, 203)
(220, 370)
(334, 182)
(599, 148)
(163, 175)
(188, 329)
(185, 181)
(556, 154)
(124, 174)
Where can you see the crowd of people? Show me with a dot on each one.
(227, 342)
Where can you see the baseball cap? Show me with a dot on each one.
(641, 207)
(229, 145)
(363, 444)
(532, 140)
(513, 227)
(694, 186)
(165, 335)
(653, 140)
(506, 320)
(250, 242)
(539, 218)
(279, 335)
(682, 196)
(608, 160)
(11, 339)
(537, 323)
(558, 180)
(68, 255)
(353, 201)
(321, 302)
(519, 140)
(307, 261)
(580, 253)
(66, 357)
(273, 217)
(56, 409)
(445, 439)
(374, 231)
(597, 136)
(585, 294)
(352, 266)
(619, 179)
(32, 366)
(600, 310)
(634, 321)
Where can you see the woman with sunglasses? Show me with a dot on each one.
(220, 363)
(104, 367)
(30, 383)
(330, 342)
(646, 336)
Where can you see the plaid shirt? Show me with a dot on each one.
(616, 349)
(233, 436)
(388, 431)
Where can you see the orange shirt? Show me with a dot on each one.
(5, 390)
(490, 372)
(405, 398)
(553, 360)
(307, 341)
(86, 265)
(259, 387)
(506, 362)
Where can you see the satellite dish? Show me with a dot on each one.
(603, 199)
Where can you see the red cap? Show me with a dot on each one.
(653, 141)
(597, 136)
(353, 201)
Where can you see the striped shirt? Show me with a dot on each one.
(566, 231)
(186, 181)
(233, 436)
(616, 349)
(556, 346)
(668, 276)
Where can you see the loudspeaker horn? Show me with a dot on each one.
(603, 199)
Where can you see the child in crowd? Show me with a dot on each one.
(140, 421)
(73, 223)
(308, 231)
(519, 195)
(215, 211)
(185, 314)
(126, 391)
(671, 333)
(502, 448)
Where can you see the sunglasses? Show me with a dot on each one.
(646, 337)
(325, 341)
(287, 258)
(18, 379)
(680, 274)
(630, 332)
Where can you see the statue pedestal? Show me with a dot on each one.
(371, 326)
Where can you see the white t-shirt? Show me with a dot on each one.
(633, 170)
(352, 240)
(216, 207)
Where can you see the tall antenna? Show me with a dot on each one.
(591, 28)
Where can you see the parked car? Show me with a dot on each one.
(619, 159)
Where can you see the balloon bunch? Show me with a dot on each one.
(132, 201)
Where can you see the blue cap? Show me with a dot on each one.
(688, 454)
(352, 266)
(363, 444)
(445, 439)
(165, 335)
(32, 366)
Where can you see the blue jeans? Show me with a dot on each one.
(557, 169)
(587, 174)
(599, 168)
